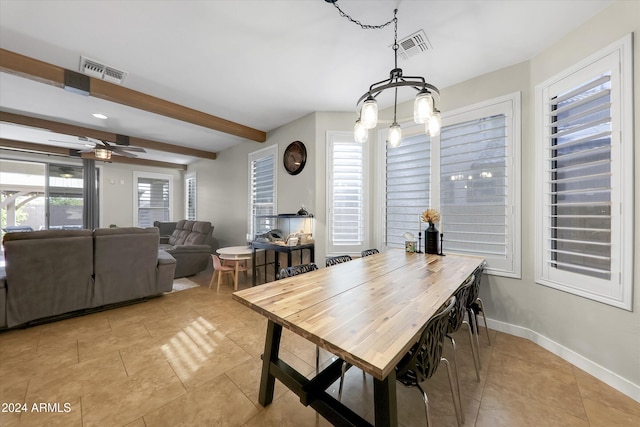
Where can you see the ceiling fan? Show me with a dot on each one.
(104, 149)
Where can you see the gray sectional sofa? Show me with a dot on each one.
(190, 244)
(54, 272)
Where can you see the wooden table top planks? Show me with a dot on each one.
(368, 311)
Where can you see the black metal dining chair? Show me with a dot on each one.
(368, 252)
(337, 260)
(297, 269)
(423, 359)
(294, 271)
(475, 306)
(456, 320)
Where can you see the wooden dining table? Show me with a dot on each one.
(368, 312)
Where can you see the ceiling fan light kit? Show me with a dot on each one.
(424, 107)
(102, 154)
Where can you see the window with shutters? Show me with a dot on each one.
(408, 180)
(471, 174)
(152, 198)
(190, 195)
(479, 181)
(585, 178)
(262, 189)
(346, 190)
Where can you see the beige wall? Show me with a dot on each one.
(222, 183)
(118, 192)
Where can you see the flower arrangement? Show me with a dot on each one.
(431, 215)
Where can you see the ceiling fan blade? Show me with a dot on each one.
(130, 148)
(122, 152)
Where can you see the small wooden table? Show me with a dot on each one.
(235, 254)
(368, 311)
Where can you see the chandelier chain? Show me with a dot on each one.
(367, 26)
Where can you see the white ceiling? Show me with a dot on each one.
(255, 62)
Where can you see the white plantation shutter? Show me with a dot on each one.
(408, 180)
(579, 180)
(262, 192)
(473, 186)
(583, 176)
(152, 198)
(346, 194)
(190, 192)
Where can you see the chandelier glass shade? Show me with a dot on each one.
(102, 154)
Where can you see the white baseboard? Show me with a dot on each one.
(600, 372)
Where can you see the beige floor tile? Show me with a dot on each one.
(596, 391)
(287, 411)
(216, 403)
(547, 384)
(501, 408)
(122, 401)
(113, 340)
(604, 415)
(197, 361)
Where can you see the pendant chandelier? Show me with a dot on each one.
(424, 106)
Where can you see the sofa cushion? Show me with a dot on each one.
(191, 233)
(48, 273)
(125, 263)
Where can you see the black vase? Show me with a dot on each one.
(431, 236)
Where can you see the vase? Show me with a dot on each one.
(431, 236)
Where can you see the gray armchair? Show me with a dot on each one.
(190, 245)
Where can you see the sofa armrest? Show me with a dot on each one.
(165, 258)
(164, 240)
(165, 271)
(183, 249)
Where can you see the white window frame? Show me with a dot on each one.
(272, 150)
(191, 176)
(510, 107)
(617, 292)
(139, 174)
(334, 249)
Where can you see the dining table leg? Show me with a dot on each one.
(271, 349)
(386, 403)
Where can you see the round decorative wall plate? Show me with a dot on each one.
(295, 157)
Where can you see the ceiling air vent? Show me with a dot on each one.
(413, 45)
(101, 71)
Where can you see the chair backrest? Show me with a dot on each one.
(462, 296)
(297, 269)
(422, 361)
(217, 265)
(368, 252)
(337, 260)
(475, 289)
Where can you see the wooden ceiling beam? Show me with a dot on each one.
(38, 148)
(136, 161)
(31, 68)
(74, 130)
(68, 152)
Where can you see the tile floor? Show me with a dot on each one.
(192, 358)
